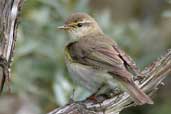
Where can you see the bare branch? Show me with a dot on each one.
(155, 73)
(9, 12)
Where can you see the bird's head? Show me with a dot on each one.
(80, 25)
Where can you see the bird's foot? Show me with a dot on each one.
(97, 99)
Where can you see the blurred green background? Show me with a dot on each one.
(141, 27)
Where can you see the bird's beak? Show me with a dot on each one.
(65, 27)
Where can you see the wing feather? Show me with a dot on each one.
(98, 53)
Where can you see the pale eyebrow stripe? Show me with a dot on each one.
(75, 23)
(85, 21)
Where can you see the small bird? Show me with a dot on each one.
(93, 59)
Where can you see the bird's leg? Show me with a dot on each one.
(97, 97)
(71, 100)
(93, 97)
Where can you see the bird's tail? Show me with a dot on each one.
(136, 93)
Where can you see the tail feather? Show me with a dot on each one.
(136, 93)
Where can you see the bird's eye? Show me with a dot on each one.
(79, 24)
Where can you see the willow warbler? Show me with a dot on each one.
(93, 59)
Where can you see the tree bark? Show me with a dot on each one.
(9, 13)
(154, 75)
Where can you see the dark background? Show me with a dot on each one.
(141, 27)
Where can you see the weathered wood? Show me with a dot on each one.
(9, 12)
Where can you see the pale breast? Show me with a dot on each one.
(85, 76)
(90, 78)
